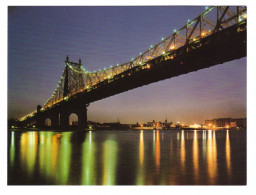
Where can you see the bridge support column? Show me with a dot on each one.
(82, 117)
(64, 119)
(54, 120)
(39, 118)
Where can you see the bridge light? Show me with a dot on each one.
(163, 52)
(148, 66)
(203, 34)
(162, 38)
(188, 20)
(151, 46)
(132, 59)
(140, 53)
(172, 57)
(206, 8)
(172, 47)
(174, 30)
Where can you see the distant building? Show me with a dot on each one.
(226, 122)
(221, 122)
(238, 122)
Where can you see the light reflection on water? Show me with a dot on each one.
(88, 168)
(127, 157)
(110, 149)
(211, 156)
(12, 149)
(140, 176)
(228, 154)
(182, 151)
(195, 155)
(28, 145)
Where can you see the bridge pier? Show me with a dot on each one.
(64, 119)
(82, 117)
(54, 119)
(80, 111)
(39, 118)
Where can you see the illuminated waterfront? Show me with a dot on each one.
(158, 157)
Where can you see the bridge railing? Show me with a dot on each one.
(213, 19)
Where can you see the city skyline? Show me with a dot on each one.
(104, 36)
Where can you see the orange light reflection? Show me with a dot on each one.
(195, 155)
(212, 156)
(157, 150)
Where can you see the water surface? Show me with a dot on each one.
(146, 157)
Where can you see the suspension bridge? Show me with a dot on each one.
(216, 36)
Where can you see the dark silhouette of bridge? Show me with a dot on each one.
(216, 36)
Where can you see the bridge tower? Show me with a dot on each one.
(39, 120)
(66, 88)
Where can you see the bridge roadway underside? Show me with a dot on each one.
(223, 46)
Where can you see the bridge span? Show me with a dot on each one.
(216, 36)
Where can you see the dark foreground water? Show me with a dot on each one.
(158, 157)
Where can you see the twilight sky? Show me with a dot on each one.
(39, 38)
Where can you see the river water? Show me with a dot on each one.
(143, 157)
